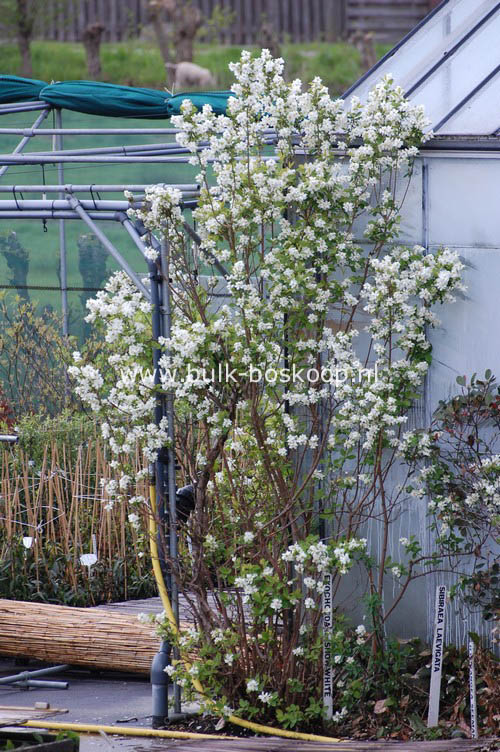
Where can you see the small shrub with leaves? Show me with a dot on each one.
(461, 476)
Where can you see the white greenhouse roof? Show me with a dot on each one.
(450, 63)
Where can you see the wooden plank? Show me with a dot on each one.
(275, 744)
(421, 4)
(403, 13)
(14, 715)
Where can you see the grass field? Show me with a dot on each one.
(138, 63)
(132, 63)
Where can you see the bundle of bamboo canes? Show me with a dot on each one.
(92, 637)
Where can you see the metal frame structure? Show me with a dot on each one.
(68, 204)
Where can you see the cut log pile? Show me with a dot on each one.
(91, 637)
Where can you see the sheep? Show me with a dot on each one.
(190, 75)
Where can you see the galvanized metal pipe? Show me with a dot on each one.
(76, 205)
(86, 131)
(133, 150)
(190, 188)
(26, 675)
(104, 159)
(134, 235)
(25, 139)
(40, 684)
(64, 203)
(7, 109)
(60, 214)
(169, 411)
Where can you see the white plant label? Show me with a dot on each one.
(88, 560)
(472, 690)
(327, 646)
(437, 656)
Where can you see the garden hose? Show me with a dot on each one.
(256, 727)
(95, 728)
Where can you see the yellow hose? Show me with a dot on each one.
(257, 727)
(94, 728)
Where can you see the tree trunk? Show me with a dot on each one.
(92, 42)
(186, 21)
(156, 12)
(24, 33)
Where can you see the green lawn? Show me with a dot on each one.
(138, 63)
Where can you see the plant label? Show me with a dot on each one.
(437, 656)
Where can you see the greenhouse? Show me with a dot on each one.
(449, 64)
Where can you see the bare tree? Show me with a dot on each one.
(157, 10)
(364, 43)
(185, 20)
(25, 19)
(91, 39)
(18, 20)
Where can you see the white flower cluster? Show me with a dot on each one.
(300, 289)
(321, 559)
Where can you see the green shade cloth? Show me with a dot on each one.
(97, 98)
(217, 99)
(111, 100)
(17, 89)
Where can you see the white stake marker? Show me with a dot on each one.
(437, 656)
(472, 690)
(327, 646)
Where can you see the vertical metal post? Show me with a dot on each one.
(169, 411)
(58, 145)
(159, 679)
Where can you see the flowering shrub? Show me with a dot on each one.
(292, 395)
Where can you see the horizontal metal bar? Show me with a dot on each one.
(140, 148)
(47, 159)
(87, 131)
(19, 148)
(105, 216)
(43, 214)
(98, 131)
(63, 204)
(7, 109)
(191, 188)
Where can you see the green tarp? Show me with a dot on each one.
(17, 89)
(111, 100)
(96, 98)
(218, 100)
